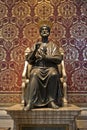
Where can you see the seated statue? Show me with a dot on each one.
(44, 87)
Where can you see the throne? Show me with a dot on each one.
(26, 74)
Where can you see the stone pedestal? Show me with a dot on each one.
(6, 122)
(64, 116)
(82, 120)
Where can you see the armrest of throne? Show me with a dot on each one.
(25, 76)
(63, 79)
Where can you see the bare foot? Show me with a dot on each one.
(27, 108)
(53, 105)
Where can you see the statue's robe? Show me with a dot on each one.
(44, 79)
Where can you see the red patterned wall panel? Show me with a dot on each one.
(19, 30)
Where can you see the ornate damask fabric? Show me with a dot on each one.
(19, 30)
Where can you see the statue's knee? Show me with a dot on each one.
(54, 74)
(35, 73)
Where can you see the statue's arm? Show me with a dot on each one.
(56, 59)
(31, 57)
(54, 54)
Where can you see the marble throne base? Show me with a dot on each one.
(63, 118)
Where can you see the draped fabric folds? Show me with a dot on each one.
(44, 80)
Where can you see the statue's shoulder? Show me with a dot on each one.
(52, 44)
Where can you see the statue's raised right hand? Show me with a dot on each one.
(37, 46)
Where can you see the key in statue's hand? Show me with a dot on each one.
(37, 46)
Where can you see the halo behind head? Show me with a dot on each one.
(45, 23)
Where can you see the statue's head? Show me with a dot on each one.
(44, 30)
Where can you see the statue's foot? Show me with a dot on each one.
(22, 102)
(53, 105)
(27, 108)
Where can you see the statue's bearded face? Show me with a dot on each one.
(44, 31)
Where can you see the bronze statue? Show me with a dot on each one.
(44, 87)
